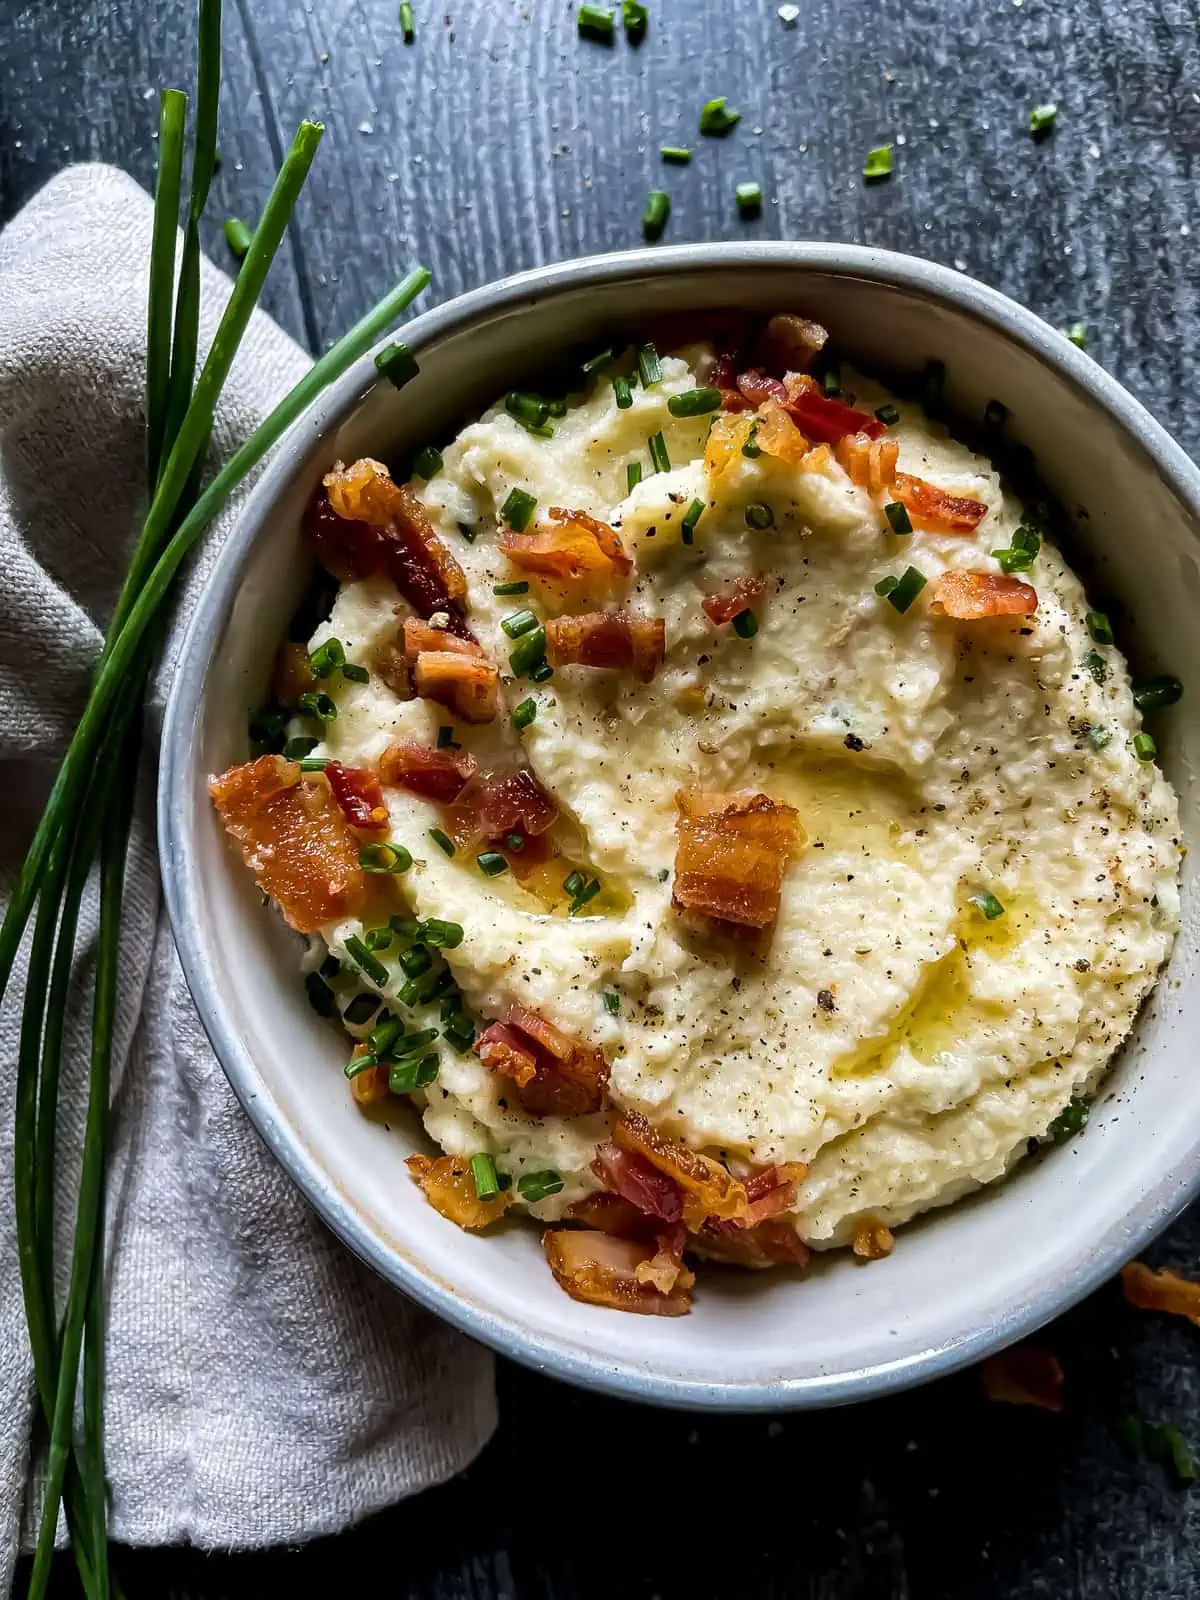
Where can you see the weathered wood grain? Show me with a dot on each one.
(500, 141)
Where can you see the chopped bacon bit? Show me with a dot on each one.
(733, 850)
(465, 683)
(616, 639)
(822, 418)
(722, 375)
(601, 1270)
(291, 676)
(769, 1243)
(559, 1044)
(612, 1213)
(872, 1241)
(970, 596)
(1024, 1376)
(629, 1174)
(510, 803)
(369, 1087)
(728, 603)
(789, 343)
(606, 537)
(568, 1077)
(665, 1270)
(419, 636)
(725, 440)
(359, 794)
(818, 459)
(500, 1049)
(710, 1190)
(385, 528)
(870, 463)
(772, 1190)
(294, 839)
(779, 436)
(438, 775)
(935, 510)
(756, 386)
(449, 1187)
(577, 547)
(390, 665)
(528, 860)
(1165, 1290)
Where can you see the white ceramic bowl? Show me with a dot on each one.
(962, 1282)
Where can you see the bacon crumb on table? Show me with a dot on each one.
(1163, 1290)
(1024, 1376)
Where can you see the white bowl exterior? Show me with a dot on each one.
(961, 1282)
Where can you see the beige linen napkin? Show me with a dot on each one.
(263, 1386)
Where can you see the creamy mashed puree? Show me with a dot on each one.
(888, 1035)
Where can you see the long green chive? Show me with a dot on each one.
(297, 749)
(1077, 333)
(397, 364)
(687, 527)
(595, 362)
(364, 960)
(317, 704)
(745, 624)
(901, 592)
(677, 155)
(1144, 747)
(428, 462)
(888, 414)
(529, 652)
(483, 1170)
(633, 476)
(361, 1009)
(314, 764)
(441, 935)
(535, 1186)
(442, 840)
(416, 962)
(237, 236)
(326, 658)
(898, 519)
(1157, 693)
(408, 30)
(622, 393)
(518, 622)
(749, 198)
(320, 995)
(172, 114)
(492, 863)
(519, 586)
(635, 18)
(655, 213)
(694, 402)
(384, 858)
(878, 164)
(658, 453)
(596, 23)
(649, 366)
(759, 515)
(525, 712)
(517, 509)
(1042, 119)
(412, 1073)
(357, 1065)
(986, 902)
(717, 119)
(612, 1002)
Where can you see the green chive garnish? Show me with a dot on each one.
(519, 586)
(237, 236)
(759, 515)
(677, 154)
(412, 1073)
(1099, 627)
(297, 749)
(518, 622)
(492, 863)
(408, 30)
(326, 658)
(831, 377)
(524, 713)
(531, 411)
(658, 453)
(442, 840)
(397, 364)
(1098, 738)
(517, 509)
(384, 1034)
(1020, 556)
(694, 402)
(878, 164)
(749, 200)
(573, 883)
(314, 764)
(469, 533)
(1041, 119)
(317, 705)
(535, 1186)
(745, 624)
(752, 449)
(622, 393)
(594, 363)
(483, 1168)
(649, 366)
(1071, 1119)
(415, 962)
(384, 858)
(529, 653)
(635, 18)
(898, 519)
(442, 935)
(655, 213)
(612, 1002)
(541, 672)
(362, 957)
(716, 118)
(357, 1065)
(378, 939)
(589, 892)
(901, 592)
(596, 23)
(1078, 335)
(687, 528)
(412, 1042)
(633, 476)
(353, 673)
(361, 1009)
(1157, 693)
(320, 995)
(1096, 667)
(404, 927)
(987, 903)
(889, 414)
(428, 462)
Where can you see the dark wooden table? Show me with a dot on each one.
(500, 141)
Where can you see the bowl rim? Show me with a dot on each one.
(1158, 1206)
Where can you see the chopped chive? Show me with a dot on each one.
(525, 712)
(377, 939)
(514, 841)
(517, 509)
(519, 586)
(483, 1170)
(597, 24)
(659, 458)
(987, 903)
(408, 30)
(314, 764)
(623, 393)
(412, 1042)
(745, 624)
(749, 200)
(442, 840)
(995, 416)
(384, 1034)
(411, 993)
(557, 407)
(492, 863)
(317, 705)
(594, 363)
(529, 653)
(385, 858)
(716, 118)
(410, 1074)
(878, 164)
(460, 1028)
(573, 883)
(901, 592)
(655, 213)
(694, 402)
(535, 1186)
(1042, 118)
(759, 515)
(397, 364)
(361, 1009)
(889, 414)
(469, 533)
(237, 236)
(518, 622)
(687, 528)
(296, 749)
(541, 672)
(1097, 737)
(362, 957)
(649, 366)
(531, 410)
(633, 476)
(428, 462)
(752, 449)
(353, 673)
(320, 995)
(442, 935)
(898, 519)
(357, 1065)
(1078, 335)
(326, 658)
(588, 892)
(1096, 667)
(1071, 1119)
(635, 18)
(415, 961)
(404, 927)
(831, 377)
(612, 1002)
(1157, 693)
(678, 155)
(1099, 627)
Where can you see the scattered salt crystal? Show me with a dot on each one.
(365, 127)
(439, 619)
(901, 139)
(959, 264)
(788, 15)
(774, 1429)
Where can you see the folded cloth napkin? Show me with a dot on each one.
(262, 1385)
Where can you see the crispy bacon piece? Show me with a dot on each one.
(772, 1190)
(789, 343)
(741, 596)
(725, 440)
(419, 636)
(733, 850)
(818, 459)
(568, 1077)
(665, 1270)
(1024, 1376)
(450, 1188)
(709, 1189)
(438, 775)
(770, 1243)
(1165, 1290)
(359, 794)
(607, 538)
(778, 435)
(578, 547)
(755, 386)
(502, 1049)
(723, 376)
(636, 1179)
(870, 463)
(934, 509)
(465, 684)
(378, 526)
(970, 596)
(601, 1270)
(612, 1213)
(512, 802)
(616, 639)
(294, 839)
(872, 1241)
(823, 418)
(370, 1087)
(527, 860)
(291, 675)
